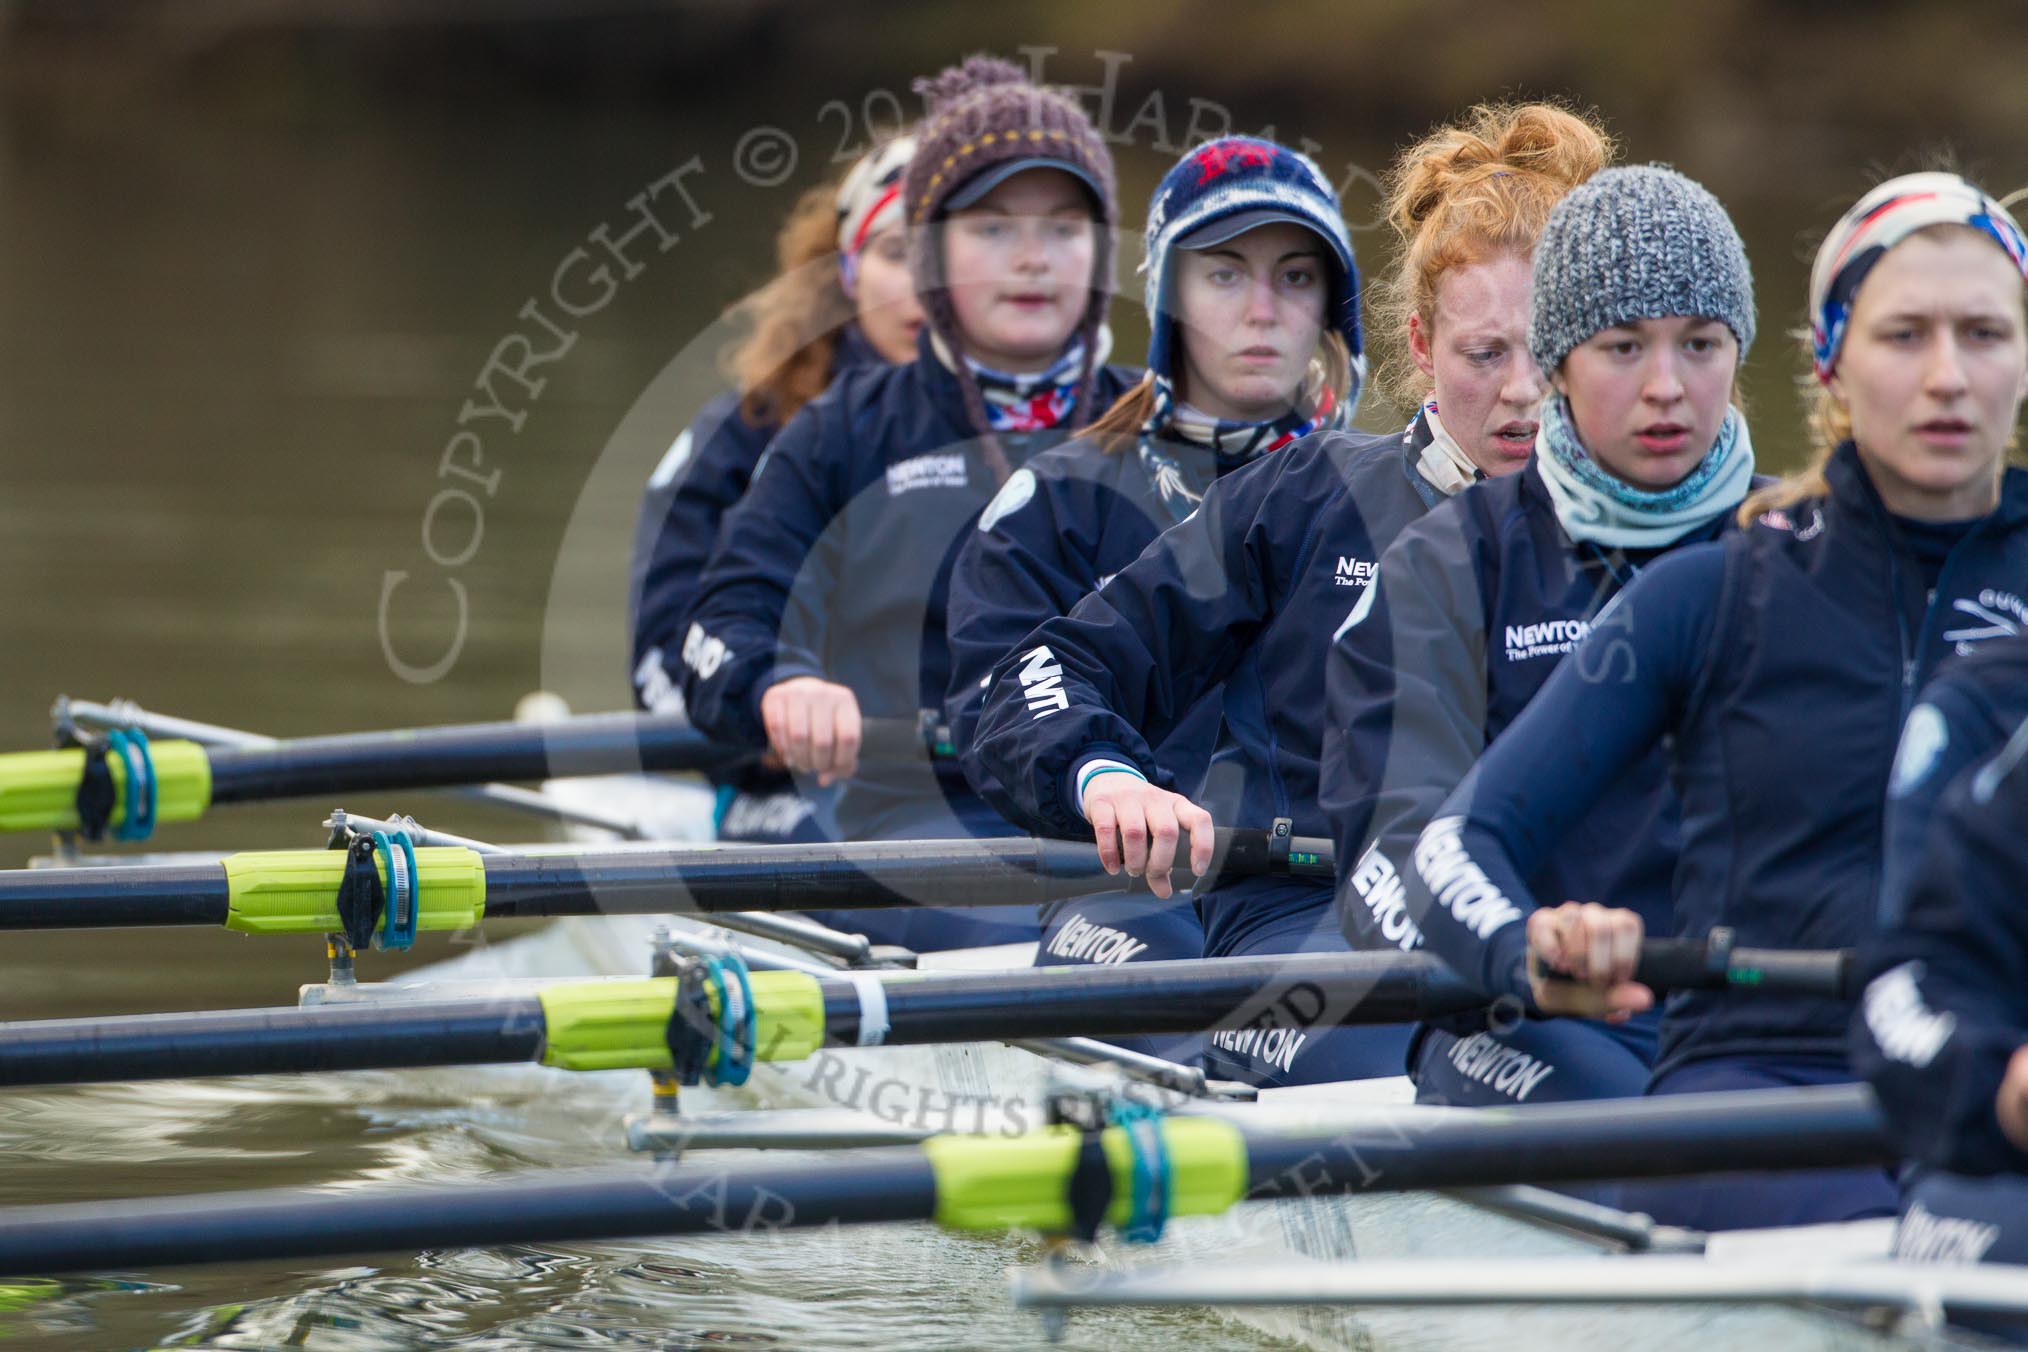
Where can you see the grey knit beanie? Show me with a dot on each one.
(1641, 242)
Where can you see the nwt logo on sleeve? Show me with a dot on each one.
(1355, 572)
(702, 653)
(1042, 682)
(927, 471)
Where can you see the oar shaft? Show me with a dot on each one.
(1827, 1126)
(1181, 996)
(271, 1041)
(565, 1206)
(440, 757)
(1153, 997)
(1016, 870)
(1643, 1138)
(114, 898)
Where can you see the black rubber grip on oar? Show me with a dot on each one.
(1685, 964)
(1716, 963)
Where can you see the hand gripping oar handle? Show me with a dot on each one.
(1715, 963)
(294, 891)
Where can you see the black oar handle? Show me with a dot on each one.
(1714, 963)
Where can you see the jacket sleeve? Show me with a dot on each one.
(1027, 562)
(1945, 1006)
(1112, 678)
(1405, 682)
(1947, 730)
(759, 616)
(703, 474)
(1605, 706)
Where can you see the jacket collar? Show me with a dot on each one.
(1853, 492)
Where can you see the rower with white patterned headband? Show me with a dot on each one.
(1779, 664)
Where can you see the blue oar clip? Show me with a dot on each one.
(131, 746)
(403, 893)
(1149, 1208)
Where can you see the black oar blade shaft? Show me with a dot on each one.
(1647, 1138)
(469, 754)
(944, 873)
(271, 1041)
(1027, 1002)
(1183, 996)
(299, 1223)
(113, 898)
(1829, 1127)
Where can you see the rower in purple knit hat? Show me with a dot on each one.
(823, 601)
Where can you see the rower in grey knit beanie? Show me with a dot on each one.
(1641, 242)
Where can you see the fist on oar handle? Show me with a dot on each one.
(814, 726)
(1581, 961)
(1138, 827)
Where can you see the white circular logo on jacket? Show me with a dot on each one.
(1012, 497)
(1923, 739)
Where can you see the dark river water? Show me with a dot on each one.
(237, 353)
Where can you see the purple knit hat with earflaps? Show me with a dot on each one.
(986, 117)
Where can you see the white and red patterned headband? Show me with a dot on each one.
(1879, 221)
(869, 200)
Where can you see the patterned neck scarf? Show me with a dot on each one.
(1233, 444)
(1028, 402)
(1594, 506)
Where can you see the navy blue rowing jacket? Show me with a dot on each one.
(1781, 662)
(1476, 605)
(1066, 522)
(705, 472)
(836, 564)
(1947, 1000)
(1243, 594)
